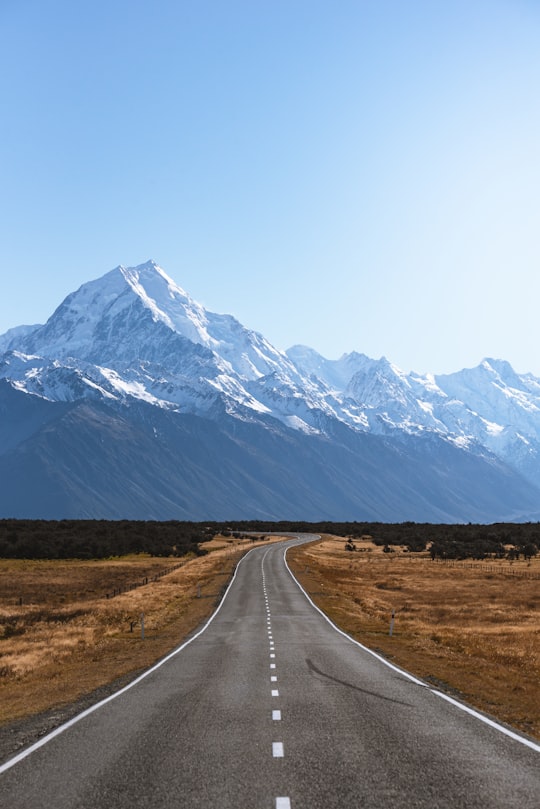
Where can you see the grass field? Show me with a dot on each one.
(67, 638)
(471, 628)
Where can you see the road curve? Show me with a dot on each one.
(269, 707)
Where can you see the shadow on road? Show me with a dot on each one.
(314, 670)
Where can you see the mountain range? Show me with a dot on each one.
(133, 401)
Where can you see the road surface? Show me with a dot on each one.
(270, 707)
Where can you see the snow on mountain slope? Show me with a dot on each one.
(135, 335)
(497, 392)
(14, 335)
(131, 354)
(108, 313)
(336, 374)
(389, 397)
(489, 406)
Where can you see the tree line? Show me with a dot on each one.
(97, 539)
(497, 541)
(444, 541)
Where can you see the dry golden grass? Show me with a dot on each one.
(476, 631)
(67, 639)
(461, 626)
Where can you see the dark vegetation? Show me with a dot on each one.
(98, 539)
(499, 540)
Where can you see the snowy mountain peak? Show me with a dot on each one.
(334, 373)
(12, 336)
(138, 334)
(168, 302)
(504, 371)
(135, 334)
(116, 307)
(152, 284)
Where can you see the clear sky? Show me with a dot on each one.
(348, 174)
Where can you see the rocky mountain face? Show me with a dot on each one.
(133, 401)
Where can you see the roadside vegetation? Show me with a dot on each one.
(63, 633)
(98, 539)
(470, 625)
(465, 599)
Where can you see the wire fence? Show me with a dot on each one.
(508, 571)
(141, 583)
(461, 563)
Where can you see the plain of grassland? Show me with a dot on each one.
(470, 628)
(61, 637)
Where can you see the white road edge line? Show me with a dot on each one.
(57, 731)
(411, 677)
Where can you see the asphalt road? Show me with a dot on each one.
(269, 708)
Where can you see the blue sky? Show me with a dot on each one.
(348, 175)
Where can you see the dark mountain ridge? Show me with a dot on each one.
(133, 402)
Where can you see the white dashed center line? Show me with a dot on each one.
(277, 747)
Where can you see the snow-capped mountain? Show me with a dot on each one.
(109, 320)
(15, 334)
(488, 406)
(133, 349)
(135, 333)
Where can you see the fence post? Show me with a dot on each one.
(392, 623)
